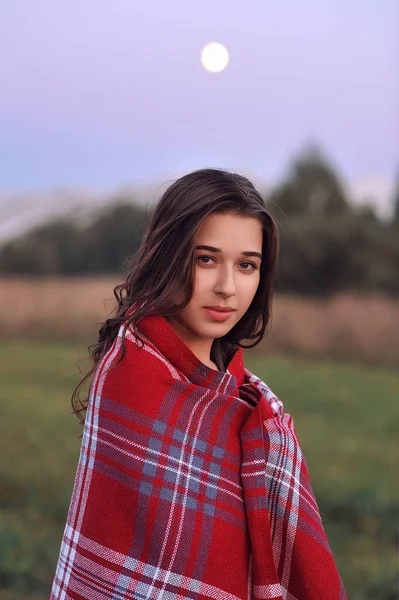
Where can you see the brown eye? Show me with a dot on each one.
(248, 266)
(205, 260)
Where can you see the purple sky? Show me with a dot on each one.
(99, 93)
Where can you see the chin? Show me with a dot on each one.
(216, 330)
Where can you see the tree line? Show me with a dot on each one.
(328, 245)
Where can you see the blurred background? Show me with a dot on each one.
(102, 106)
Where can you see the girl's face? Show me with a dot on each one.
(228, 250)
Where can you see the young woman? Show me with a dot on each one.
(191, 482)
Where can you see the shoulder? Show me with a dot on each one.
(135, 375)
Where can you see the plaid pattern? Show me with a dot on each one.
(190, 484)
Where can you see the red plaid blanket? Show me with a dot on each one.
(190, 484)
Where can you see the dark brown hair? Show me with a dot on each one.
(159, 278)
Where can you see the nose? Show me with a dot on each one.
(225, 284)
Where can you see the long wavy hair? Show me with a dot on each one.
(159, 279)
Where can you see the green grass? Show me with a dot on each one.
(346, 416)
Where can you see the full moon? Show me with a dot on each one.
(214, 57)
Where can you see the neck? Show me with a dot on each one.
(201, 347)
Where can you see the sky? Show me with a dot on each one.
(101, 94)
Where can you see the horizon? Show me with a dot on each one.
(25, 209)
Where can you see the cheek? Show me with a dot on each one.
(250, 288)
(202, 280)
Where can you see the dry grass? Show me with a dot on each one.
(346, 326)
(53, 308)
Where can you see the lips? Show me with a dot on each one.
(218, 313)
(221, 309)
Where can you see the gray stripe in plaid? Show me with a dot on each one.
(128, 585)
(157, 489)
(200, 445)
(121, 410)
(110, 429)
(195, 418)
(174, 474)
(157, 465)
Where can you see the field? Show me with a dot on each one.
(346, 418)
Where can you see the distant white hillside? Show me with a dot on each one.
(21, 211)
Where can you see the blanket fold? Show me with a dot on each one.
(190, 484)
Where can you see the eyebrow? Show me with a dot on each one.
(212, 249)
